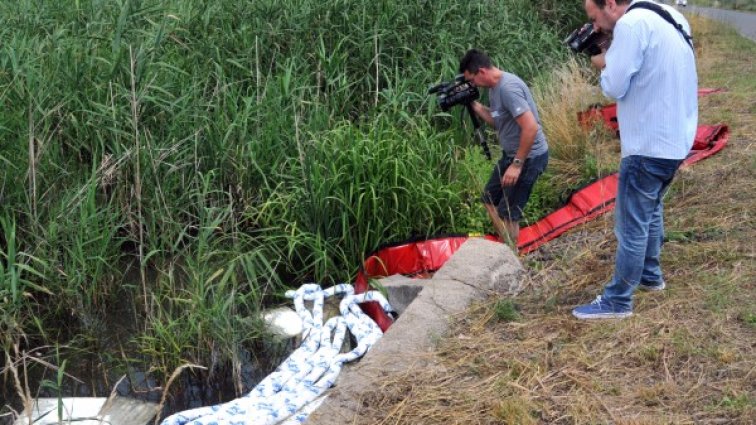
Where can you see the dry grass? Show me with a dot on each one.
(573, 149)
(568, 91)
(686, 356)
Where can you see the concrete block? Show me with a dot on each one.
(402, 291)
(486, 265)
(477, 269)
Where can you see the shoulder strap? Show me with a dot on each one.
(665, 15)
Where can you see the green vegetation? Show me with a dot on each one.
(169, 167)
(506, 311)
(746, 5)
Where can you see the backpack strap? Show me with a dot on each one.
(665, 15)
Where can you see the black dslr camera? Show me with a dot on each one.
(461, 92)
(456, 92)
(586, 40)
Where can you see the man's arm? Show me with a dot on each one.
(622, 61)
(528, 132)
(483, 112)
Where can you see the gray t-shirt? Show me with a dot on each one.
(509, 99)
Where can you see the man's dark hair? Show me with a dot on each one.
(473, 60)
(602, 3)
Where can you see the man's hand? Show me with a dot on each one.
(478, 107)
(511, 176)
(599, 61)
(483, 112)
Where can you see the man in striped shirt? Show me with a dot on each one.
(650, 69)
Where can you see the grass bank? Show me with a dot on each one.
(685, 357)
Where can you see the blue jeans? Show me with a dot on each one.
(639, 225)
(510, 201)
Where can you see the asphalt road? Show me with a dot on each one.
(744, 22)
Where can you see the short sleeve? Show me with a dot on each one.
(513, 99)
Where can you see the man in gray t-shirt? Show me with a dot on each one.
(525, 153)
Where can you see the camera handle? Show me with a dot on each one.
(478, 131)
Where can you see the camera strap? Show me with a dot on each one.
(665, 15)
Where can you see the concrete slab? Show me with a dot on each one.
(479, 268)
(489, 266)
(401, 290)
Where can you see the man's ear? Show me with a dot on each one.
(485, 74)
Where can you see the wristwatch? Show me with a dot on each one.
(517, 162)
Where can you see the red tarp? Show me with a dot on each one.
(419, 258)
(608, 113)
(710, 139)
(598, 197)
(411, 258)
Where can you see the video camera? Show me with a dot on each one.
(587, 39)
(461, 92)
(456, 92)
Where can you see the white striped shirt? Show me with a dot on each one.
(651, 71)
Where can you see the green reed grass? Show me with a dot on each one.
(194, 159)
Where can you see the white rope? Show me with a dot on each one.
(296, 388)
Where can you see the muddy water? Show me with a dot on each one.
(90, 377)
(100, 370)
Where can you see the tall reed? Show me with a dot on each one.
(196, 158)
